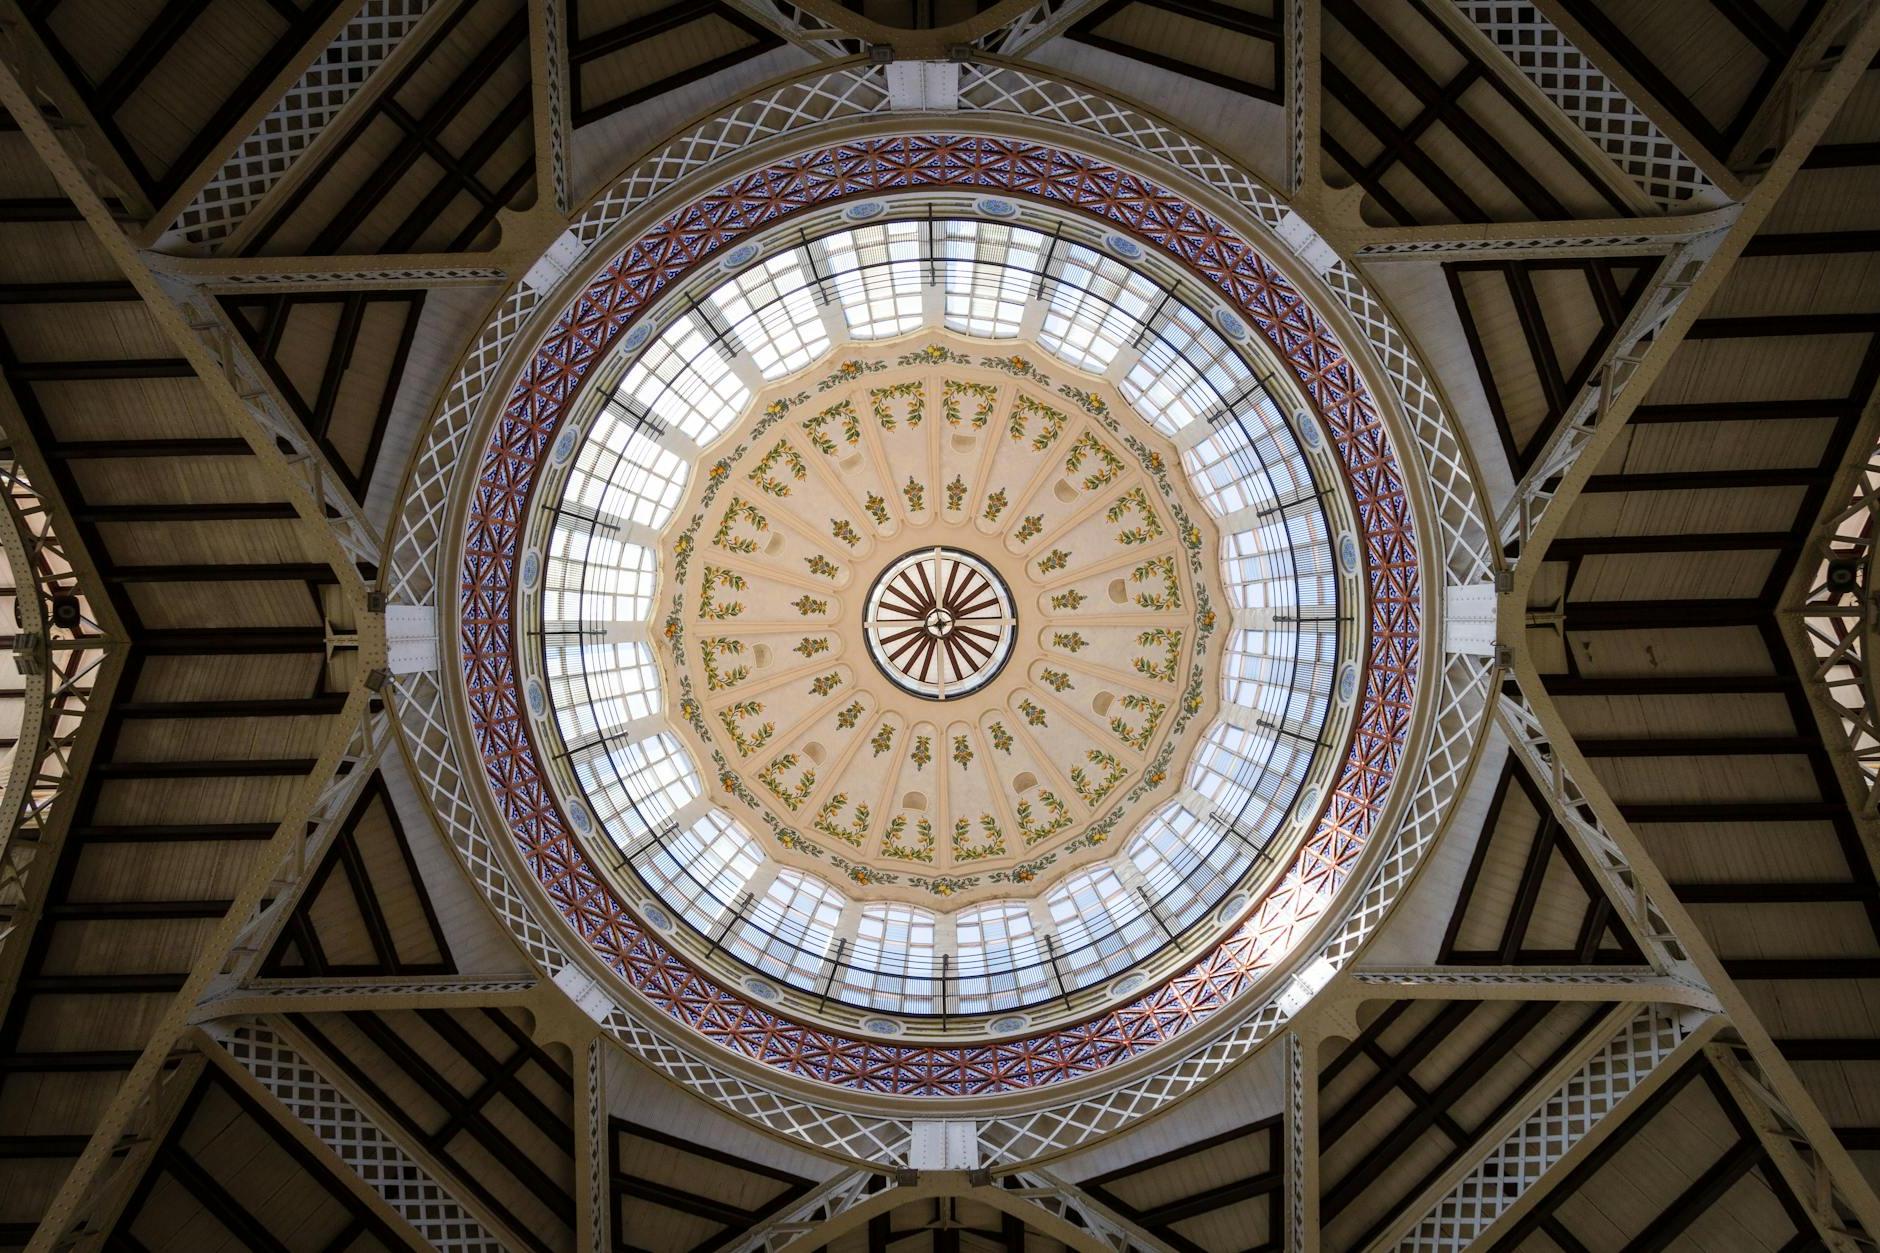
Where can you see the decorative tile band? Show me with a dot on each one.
(579, 340)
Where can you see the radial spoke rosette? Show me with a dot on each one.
(940, 623)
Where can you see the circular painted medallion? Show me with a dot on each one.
(940, 623)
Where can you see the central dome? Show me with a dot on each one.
(941, 619)
(940, 623)
(940, 626)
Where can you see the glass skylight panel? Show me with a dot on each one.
(878, 272)
(622, 472)
(791, 929)
(701, 871)
(1187, 863)
(771, 310)
(658, 772)
(1164, 387)
(593, 579)
(685, 382)
(1096, 307)
(1226, 472)
(998, 957)
(1101, 925)
(597, 687)
(892, 963)
(989, 272)
(635, 786)
(1179, 333)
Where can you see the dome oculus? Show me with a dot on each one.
(939, 623)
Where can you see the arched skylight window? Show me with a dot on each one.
(1096, 307)
(594, 580)
(771, 309)
(1187, 863)
(684, 382)
(879, 300)
(639, 785)
(892, 964)
(1102, 926)
(1252, 772)
(986, 271)
(790, 932)
(622, 473)
(598, 687)
(1000, 962)
(701, 872)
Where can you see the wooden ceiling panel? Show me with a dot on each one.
(1228, 1187)
(1528, 897)
(338, 359)
(1708, 74)
(1536, 331)
(167, 83)
(1433, 134)
(1433, 1077)
(1235, 46)
(364, 910)
(443, 147)
(451, 1083)
(622, 54)
(1685, 1172)
(227, 1175)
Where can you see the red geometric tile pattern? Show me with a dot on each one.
(580, 338)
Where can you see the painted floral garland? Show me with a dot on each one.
(601, 314)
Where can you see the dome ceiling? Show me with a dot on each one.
(947, 627)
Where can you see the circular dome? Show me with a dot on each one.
(939, 622)
(608, 808)
(940, 717)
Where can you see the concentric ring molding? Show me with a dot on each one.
(1265, 296)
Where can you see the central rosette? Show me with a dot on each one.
(939, 623)
(941, 620)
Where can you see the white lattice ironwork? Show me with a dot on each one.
(1032, 27)
(832, 1198)
(285, 996)
(1071, 1204)
(1531, 742)
(1791, 1154)
(1641, 331)
(1429, 781)
(1562, 1120)
(1837, 614)
(367, 1149)
(60, 661)
(1450, 477)
(599, 1219)
(1569, 78)
(291, 127)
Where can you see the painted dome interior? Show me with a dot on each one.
(1137, 734)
